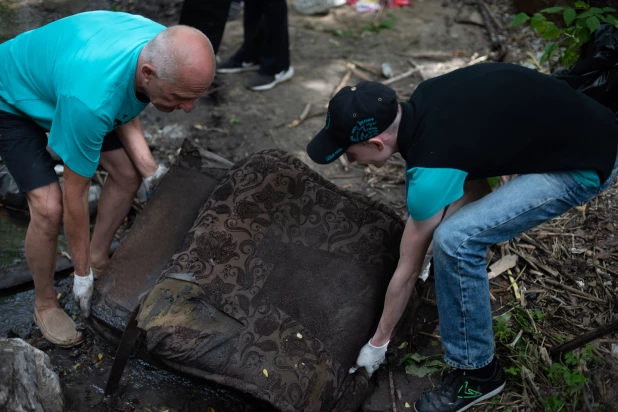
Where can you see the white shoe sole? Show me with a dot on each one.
(286, 76)
(238, 69)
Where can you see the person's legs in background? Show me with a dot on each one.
(275, 64)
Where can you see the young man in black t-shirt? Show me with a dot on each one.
(454, 132)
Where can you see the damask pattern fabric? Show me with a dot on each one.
(277, 286)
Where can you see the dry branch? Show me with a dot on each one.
(302, 117)
(400, 77)
(585, 338)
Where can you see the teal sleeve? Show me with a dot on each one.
(588, 178)
(77, 134)
(430, 190)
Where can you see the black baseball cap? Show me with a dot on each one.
(354, 115)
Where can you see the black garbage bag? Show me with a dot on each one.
(596, 72)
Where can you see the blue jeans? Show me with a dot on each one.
(460, 242)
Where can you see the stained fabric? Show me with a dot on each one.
(276, 287)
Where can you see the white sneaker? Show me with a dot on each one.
(260, 82)
(316, 6)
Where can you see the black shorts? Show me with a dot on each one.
(23, 149)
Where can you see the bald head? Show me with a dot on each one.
(181, 53)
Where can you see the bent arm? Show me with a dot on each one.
(77, 219)
(415, 242)
(132, 137)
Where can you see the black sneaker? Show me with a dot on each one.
(460, 390)
(232, 65)
(260, 81)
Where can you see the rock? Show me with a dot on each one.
(175, 131)
(27, 381)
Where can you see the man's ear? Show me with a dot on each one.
(377, 143)
(149, 72)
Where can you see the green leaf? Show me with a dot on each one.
(569, 16)
(551, 10)
(551, 31)
(612, 20)
(521, 18)
(580, 24)
(548, 53)
(585, 15)
(581, 5)
(593, 23)
(609, 9)
(596, 10)
(493, 181)
(403, 345)
(538, 22)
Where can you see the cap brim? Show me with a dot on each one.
(324, 148)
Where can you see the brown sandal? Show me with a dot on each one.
(58, 328)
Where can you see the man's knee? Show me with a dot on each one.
(45, 205)
(450, 235)
(127, 176)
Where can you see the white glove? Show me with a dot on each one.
(426, 266)
(151, 182)
(370, 357)
(82, 290)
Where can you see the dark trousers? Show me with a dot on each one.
(266, 35)
(208, 16)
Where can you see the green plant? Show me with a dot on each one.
(233, 120)
(387, 23)
(580, 21)
(418, 365)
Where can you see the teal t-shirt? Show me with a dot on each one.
(432, 189)
(75, 78)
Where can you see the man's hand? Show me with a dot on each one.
(82, 290)
(370, 358)
(151, 182)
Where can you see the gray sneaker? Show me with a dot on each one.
(260, 82)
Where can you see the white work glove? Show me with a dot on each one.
(426, 266)
(370, 358)
(83, 287)
(151, 182)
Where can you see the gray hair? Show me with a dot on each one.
(161, 53)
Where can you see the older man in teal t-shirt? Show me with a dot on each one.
(77, 85)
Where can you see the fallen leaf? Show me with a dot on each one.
(100, 356)
(407, 405)
(403, 345)
(211, 410)
(76, 366)
(265, 372)
(502, 265)
(198, 126)
(299, 336)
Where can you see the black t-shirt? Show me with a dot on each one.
(498, 119)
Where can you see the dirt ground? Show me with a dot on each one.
(233, 122)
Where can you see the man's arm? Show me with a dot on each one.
(132, 137)
(77, 219)
(414, 244)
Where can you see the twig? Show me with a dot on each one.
(342, 83)
(430, 335)
(361, 75)
(302, 117)
(430, 55)
(367, 69)
(417, 66)
(534, 388)
(400, 77)
(578, 292)
(585, 338)
(493, 18)
(392, 385)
